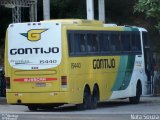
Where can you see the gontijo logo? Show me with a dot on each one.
(34, 34)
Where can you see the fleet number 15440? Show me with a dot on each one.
(47, 61)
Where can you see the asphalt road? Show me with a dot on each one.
(148, 109)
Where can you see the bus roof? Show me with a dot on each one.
(83, 22)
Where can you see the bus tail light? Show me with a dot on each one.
(63, 80)
(7, 82)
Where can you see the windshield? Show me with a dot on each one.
(33, 46)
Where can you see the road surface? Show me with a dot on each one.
(148, 109)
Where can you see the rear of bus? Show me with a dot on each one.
(33, 55)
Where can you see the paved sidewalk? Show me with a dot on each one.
(151, 99)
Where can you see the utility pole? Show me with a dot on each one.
(46, 9)
(101, 7)
(90, 9)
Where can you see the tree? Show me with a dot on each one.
(151, 8)
(68, 9)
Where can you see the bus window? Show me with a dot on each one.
(104, 42)
(70, 43)
(145, 40)
(92, 42)
(125, 42)
(114, 42)
(136, 43)
(80, 46)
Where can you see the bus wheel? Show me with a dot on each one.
(32, 107)
(136, 99)
(86, 100)
(94, 98)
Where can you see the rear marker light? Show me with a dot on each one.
(63, 80)
(7, 79)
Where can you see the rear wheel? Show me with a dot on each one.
(136, 99)
(94, 98)
(32, 107)
(86, 100)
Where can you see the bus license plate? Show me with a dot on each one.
(40, 84)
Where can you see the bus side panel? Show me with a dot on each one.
(137, 74)
(106, 73)
(98, 70)
(81, 74)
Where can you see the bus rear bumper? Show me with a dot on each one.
(37, 98)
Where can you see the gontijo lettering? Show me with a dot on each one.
(21, 51)
(104, 63)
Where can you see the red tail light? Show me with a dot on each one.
(7, 82)
(63, 80)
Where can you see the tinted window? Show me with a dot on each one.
(80, 43)
(104, 42)
(145, 39)
(114, 42)
(92, 42)
(135, 41)
(71, 43)
(125, 42)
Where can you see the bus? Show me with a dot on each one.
(75, 61)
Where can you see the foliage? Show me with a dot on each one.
(68, 9)
(151, 8)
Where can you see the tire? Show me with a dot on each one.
(94, 98)
(32, 107)
(136, 99)
(86, 100)
(46, 107)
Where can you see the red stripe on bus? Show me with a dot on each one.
(34, 79)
